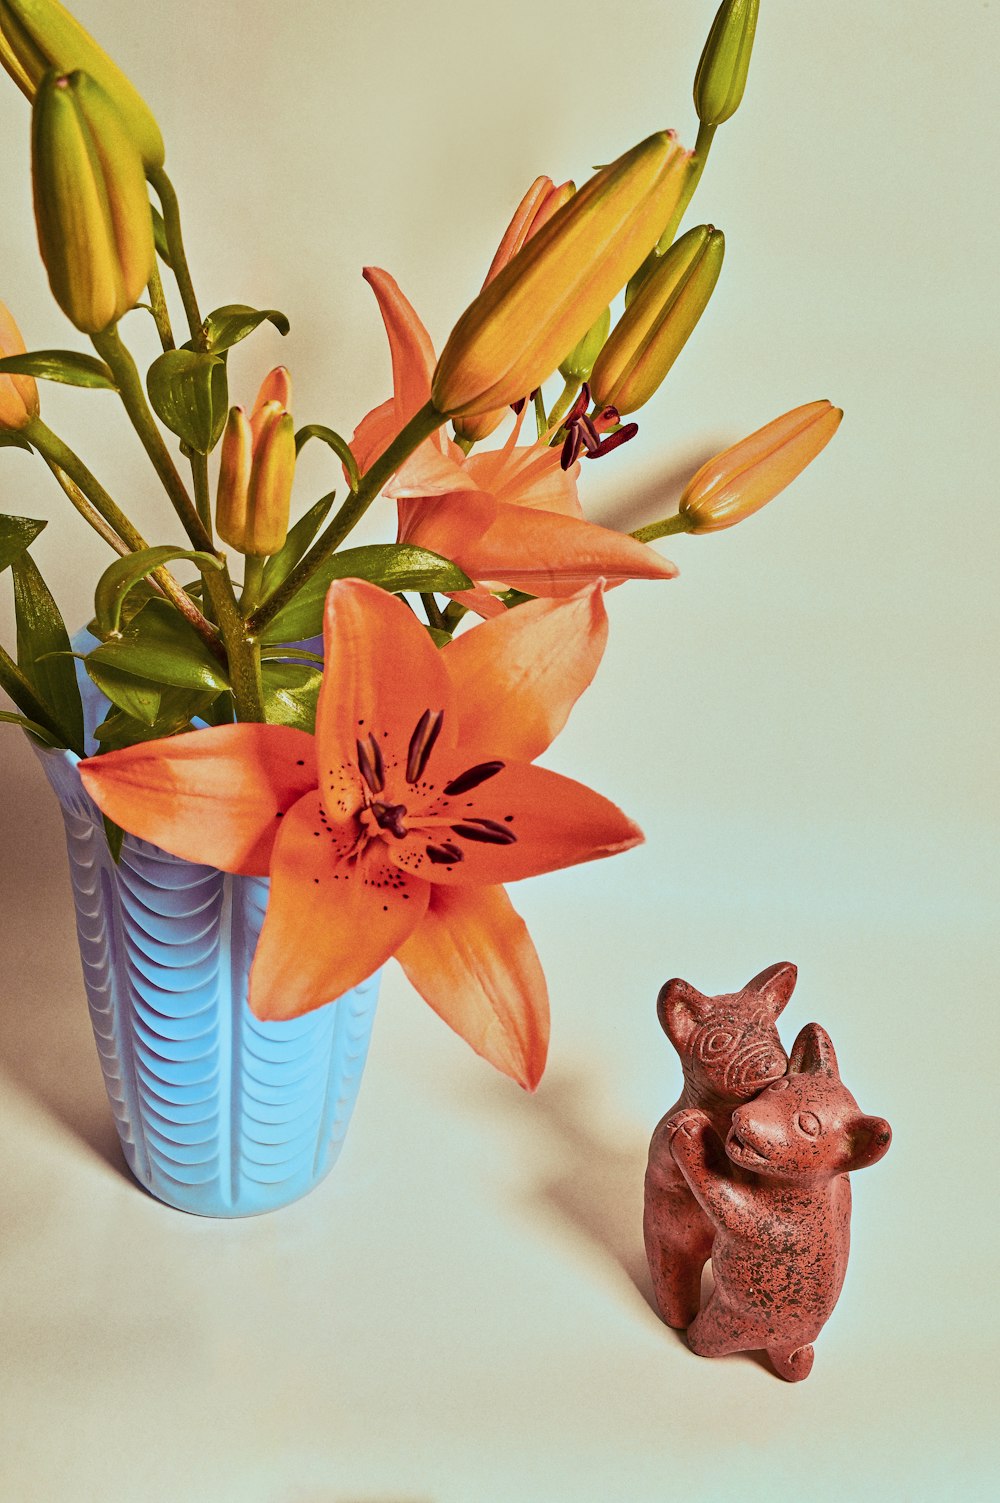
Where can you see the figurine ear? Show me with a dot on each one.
(680, 1009)
(870, 1138)
(775, 985)
(812, 1053)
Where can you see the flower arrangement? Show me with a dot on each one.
(386, 783)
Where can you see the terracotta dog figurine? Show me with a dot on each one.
(779, 1199)
(729, 1049)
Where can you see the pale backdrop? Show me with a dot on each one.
(803, 723)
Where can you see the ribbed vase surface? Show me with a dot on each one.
(218, 1113)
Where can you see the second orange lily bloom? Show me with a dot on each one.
(391, 831)
(509, 517)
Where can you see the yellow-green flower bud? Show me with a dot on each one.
(38, 35)
(543, 302)
(722, 69)
(580, 361)
(95, 229)
(742, 479)
(658, 321)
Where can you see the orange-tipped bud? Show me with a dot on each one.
(18, 394)
(543, 302)
(741, 480)
(542, 200)
(658, 321)
(36, 35)
(256, 470)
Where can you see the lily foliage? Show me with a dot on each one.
(386, 783)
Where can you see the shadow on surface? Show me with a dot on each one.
(656, 496)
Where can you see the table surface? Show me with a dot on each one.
(801, 724)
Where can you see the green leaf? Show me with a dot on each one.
(160, 237)
(66, 366)
(278, 568)
(139, 699)
(438, 637)
(43, 650)
(16, 534)
(159, 645)
(178, 707)
(42, 734)
(339, 445)
(233, 322)
(392, 566)
(117, 580)
(115, 835)
(189, 391)
(281, 652)
(291, 691)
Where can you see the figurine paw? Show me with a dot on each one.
(688, 1122)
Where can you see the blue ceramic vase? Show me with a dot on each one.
(218, 1113)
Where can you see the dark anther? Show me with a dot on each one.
(518, 407)
(370, 764)
(572, 444)
(422, 741)
(444, 855)
(615, 440)
(390, 817)
(486, 830)
(473, 777)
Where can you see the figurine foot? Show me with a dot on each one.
(792, 1365)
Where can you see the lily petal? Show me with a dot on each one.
(330, 922)
(517, 677)
(216, 796)
(518, 822)
(528, 475)
(382, 674)
(472, 960)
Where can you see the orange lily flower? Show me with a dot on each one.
(510, 517)
(390, 831)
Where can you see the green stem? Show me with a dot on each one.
(253, 579)
(697, 166)
(453, 615)
(89, 513)
(465, 444)
(202, 498)
(242, 647)
(433, 612)
(419, 428)
(109, 346)
(161, 313)
(563, 403)
(541, 423)
(178, 260)
(61, 458)
(662, 529)
(14, 683)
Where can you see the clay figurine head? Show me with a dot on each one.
(806, 1126)
(728, 1045)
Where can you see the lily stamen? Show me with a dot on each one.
(486, 830)
(425, 733)
(473, 777)
(390, 817)
(370, 764)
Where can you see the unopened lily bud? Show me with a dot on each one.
(580, 361)
(18, 394)
(741, 480)
(95, 229)
(39, 35)
(725, 59)
(543, 302)
(256, 470)
(536, 208)
(658, 321)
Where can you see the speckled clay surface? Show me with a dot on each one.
(728, 1048)
(778, 1197)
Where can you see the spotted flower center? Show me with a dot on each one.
(426, 809)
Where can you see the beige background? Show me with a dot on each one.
(801, 723)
